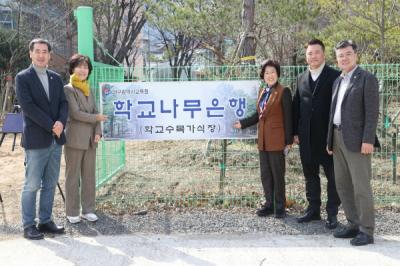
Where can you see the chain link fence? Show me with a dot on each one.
(225, 173)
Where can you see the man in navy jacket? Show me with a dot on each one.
(45, 110)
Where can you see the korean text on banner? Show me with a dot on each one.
(178, 110)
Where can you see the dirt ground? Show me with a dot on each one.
(11, 182)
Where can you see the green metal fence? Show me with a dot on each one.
(111, 154)
(225, 173)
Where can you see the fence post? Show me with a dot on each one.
(394, 157)
(222, 166)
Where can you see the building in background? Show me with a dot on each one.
(47, 20)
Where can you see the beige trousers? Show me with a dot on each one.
(80, 180)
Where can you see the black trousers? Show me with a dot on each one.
(313, 186)
(272, 166)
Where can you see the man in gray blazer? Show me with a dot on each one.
(351, 138)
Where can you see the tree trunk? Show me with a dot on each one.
(68, 30)
(382, 31)
(248, 51)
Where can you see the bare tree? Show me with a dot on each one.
(118, 24)
(179, 50)
(171, 21)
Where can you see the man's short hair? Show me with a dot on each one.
(345, 44)
(270, 63)
(78, 59)
(39, 40)
(316, 42)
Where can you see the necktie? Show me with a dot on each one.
(264, 99)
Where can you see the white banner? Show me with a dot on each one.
(178, 110)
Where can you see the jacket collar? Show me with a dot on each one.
(38, 84)
(272, 97)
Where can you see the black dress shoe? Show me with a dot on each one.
(346, 233)
(32, 233)
(51, 227)
(309, 216)
(331, 222)
(265, 211)
(280, 213)
(362, 239)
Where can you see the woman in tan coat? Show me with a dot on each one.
(83, 132)
(274, 118)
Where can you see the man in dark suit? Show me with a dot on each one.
(40, 93)
(351, 137)
(311, 105)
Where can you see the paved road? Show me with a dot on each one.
(210, 249)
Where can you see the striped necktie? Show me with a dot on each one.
(264, 98)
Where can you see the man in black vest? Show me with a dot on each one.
(311, 106)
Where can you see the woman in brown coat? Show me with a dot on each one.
(83, 132)
(274, 118)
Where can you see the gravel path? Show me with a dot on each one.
(199, 221)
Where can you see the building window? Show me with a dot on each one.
(6, 19)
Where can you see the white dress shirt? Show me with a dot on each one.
(342, 90)
(316, 72)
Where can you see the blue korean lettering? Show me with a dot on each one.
(240, 104)
(215, 107)
(150, 114)
(174, 106)
(191, 106)
(123, 108)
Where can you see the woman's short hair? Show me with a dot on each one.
(78, 59)
(270, 63)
